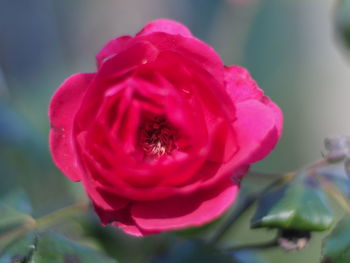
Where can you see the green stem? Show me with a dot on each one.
(336, 195)
(59, 215)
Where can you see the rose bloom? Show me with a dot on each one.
(161, 134)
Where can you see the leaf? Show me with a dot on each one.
(53, 248)
(300, 205)
(11, 218)
(247, 256)
(18, 200)
(15, 210)
(194, 251)
(342, 21)
(337, 175)
(19, 251)
(336, 247)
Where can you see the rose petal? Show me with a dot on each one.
(122, 219)
(277, 113)
(201, 56)
(109, 75)
(240, 85)
(166, 26)
(106, 202)
(112, 48)
(256, 130)
(224, 143)
(184, 210)
(64, 104)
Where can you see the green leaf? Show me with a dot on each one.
(19, 251)
(336, 247)
(194, 251)
(15, 210)
(11, 218)
(53, 248)
(342, 21)
(299, 205)
(197, 251)
(18, 200)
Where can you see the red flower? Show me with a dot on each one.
(161, 134)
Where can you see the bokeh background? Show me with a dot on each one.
(289, 46)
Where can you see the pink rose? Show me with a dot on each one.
(162, 133)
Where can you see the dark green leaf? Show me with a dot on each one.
(336, 247)
(194, 251)
(52, 248)
(300, 205)
(19, 251)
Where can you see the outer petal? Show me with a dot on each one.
(240, 85)
(256, 129)
(277, 112)
(166, 26)
(184, 210)
(120, 218)
(63, 107)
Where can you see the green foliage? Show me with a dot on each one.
(198, 251)
(15, 210)
(11, 218)
(336, 175)
(342, 21)
(20, 251)
(52, 248)
(336, 248)
(19, 246)
(19, 200)
(299, 205)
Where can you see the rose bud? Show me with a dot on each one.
(162, 132)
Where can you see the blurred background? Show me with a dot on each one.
(289, 47)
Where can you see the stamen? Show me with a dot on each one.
(157, 138)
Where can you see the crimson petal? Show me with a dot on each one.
(184, 211)
(64, 104)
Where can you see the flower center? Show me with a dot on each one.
(157, 138)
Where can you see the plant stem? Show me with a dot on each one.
(59, 215)
(337, 195)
